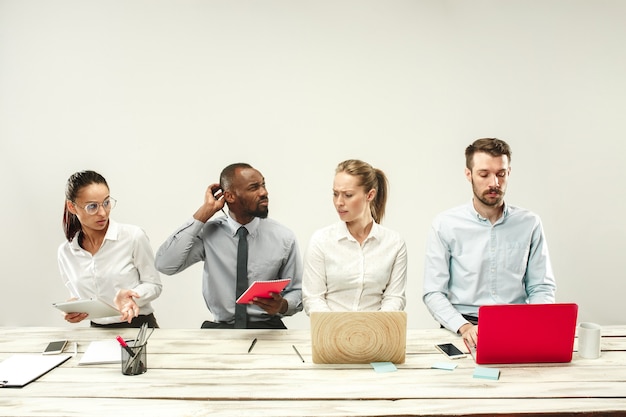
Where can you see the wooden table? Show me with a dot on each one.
(209, 373)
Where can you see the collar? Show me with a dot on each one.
(480, 218)
(252, 226)
(111, 234)
(344, 233)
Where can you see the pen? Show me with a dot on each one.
(252, 345)
(141, 340)
(125, 346)
(298, 353)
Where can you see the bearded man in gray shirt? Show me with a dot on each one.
(273, 251)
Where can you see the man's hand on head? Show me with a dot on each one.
(213, 202)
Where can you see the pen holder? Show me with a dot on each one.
(134, 358)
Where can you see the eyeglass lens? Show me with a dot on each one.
(92, 208)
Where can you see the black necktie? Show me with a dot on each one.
(241, 310)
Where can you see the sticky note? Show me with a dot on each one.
(384, 366)
(444, 365)
(486, 373)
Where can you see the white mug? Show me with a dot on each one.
(589, 340)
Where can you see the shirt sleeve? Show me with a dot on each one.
(314, 281)
(64, 273)
(182, 249)
(436, 280)
(539, 278)
(149, 287)
(394, 297)
(293, 270)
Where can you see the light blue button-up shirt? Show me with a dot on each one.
(471, 262)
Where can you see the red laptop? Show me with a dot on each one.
(525, 333)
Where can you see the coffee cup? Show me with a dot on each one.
(589, 340)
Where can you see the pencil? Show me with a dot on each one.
(252, 345)
(298, 353)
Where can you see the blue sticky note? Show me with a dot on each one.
(486, 373)
(448, 366)
(384, 366)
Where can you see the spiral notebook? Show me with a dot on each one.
(262, 289)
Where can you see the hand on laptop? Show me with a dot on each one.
(469, 332)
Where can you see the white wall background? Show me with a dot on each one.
(160, 95)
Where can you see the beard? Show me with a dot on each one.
(259, 211)
(485, 199)
(490, 202)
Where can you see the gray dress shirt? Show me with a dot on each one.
(272, 254)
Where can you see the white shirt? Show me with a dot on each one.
(125, 260)
(342, 275)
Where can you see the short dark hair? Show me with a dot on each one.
(492, 146)
(228, 174)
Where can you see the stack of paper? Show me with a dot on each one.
(102, 351)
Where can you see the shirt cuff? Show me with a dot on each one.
(456, 323)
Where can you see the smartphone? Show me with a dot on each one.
(450, 351)
(54, 348)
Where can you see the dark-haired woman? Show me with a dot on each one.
(104, 259)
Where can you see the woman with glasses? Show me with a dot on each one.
(103, 259)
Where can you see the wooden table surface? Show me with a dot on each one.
(209, 373)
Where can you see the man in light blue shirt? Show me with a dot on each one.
(272, 250)
(486, 251)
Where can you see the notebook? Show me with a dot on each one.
(525, 333)
(262, 289)
(102, 351)
(358, 337)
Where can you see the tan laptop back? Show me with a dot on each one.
(358, 337)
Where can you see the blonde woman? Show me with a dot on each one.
(356, 264)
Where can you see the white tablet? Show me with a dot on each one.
(95, 308)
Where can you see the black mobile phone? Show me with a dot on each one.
(54, 348)
(450, 351)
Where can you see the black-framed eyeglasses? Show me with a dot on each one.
(92, 208)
